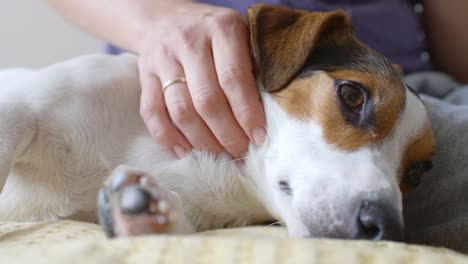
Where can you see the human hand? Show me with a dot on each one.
(218, 107)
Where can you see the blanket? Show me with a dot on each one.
(79, 242)
(436, 213)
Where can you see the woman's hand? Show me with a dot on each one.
(218, 107)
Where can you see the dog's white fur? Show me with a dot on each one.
(64, 128)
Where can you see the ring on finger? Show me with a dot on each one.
(174, 81)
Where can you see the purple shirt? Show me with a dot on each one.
(392, 27)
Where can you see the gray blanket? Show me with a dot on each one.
(436, 213)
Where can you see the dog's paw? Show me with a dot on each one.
(130, 204)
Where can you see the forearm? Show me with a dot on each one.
(447, 29)
(121, 22)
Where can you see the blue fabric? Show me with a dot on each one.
(392, 27)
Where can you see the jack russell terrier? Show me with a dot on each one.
(346, 140)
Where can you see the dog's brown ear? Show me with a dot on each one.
(398, 68)
(282, 39)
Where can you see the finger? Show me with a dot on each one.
(210, 102)
(235, 76)
(154, 113)
(181, 109)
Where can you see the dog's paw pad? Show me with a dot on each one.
(134, 200)
(137, 205)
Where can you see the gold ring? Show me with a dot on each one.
(171, 82)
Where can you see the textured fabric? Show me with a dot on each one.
(436, 213)
(392, 27)
(77, 242)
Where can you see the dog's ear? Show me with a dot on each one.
(398, 68)
(282, 39)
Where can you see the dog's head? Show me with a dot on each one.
(346, 136)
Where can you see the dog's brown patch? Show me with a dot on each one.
(302, 98)
(314, 99)
(419, 149)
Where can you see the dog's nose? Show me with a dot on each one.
(378, 221)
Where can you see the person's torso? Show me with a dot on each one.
(392, 27)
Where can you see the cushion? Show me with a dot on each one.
(79, 242)
(436, 213)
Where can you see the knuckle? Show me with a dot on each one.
(161, 134)
(244, 113)
(147, 110)
(230, 75)
(187, 38)
(158, 131)
(234, 144)
(181, 113)
(226, 20)
(207, 101)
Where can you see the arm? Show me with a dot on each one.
(447, 29)
(121, 22)
(217, 108)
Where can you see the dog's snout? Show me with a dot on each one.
(378, 221)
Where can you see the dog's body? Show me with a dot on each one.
(69, 134)
(64, 129)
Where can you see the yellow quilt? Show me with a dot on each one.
(78, 242)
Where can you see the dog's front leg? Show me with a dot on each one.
(131, 204)
(17, 130)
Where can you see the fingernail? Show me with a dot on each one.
(180, 151)
(259, 135)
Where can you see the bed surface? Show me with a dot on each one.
(79, 242)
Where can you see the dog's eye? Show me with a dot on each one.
(284, 186)
(352, 96)
(413, 175)
(355, 103)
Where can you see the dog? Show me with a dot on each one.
(346, 139)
